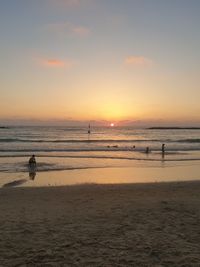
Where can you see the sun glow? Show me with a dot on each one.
(112, 124)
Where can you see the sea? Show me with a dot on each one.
(72, 152)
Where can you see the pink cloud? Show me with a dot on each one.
(66, 3)
(137, 61)
(80, 31)
(70, 3)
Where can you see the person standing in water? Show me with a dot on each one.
(147, 150)
(163, 148)
(32, 160)
(32, 167)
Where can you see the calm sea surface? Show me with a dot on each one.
(72, 148)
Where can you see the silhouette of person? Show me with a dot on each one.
(147, 150)
(32, 167)
(163, 148)
(32, 160)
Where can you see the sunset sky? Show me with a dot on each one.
(122, 61)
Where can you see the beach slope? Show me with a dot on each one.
(101, 225)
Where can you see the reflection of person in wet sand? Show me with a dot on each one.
(32, 175)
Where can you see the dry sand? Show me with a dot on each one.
(101, 225)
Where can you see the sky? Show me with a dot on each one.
(124, 61)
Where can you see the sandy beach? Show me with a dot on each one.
(154, 224)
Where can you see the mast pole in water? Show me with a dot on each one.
(89, 131)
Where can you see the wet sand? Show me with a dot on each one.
(154, 224)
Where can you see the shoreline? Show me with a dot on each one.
(137, 173)
(102, 185)
(154, 224)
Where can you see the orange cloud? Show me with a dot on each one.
(56, 63)
(137, 61)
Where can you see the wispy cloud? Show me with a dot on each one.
(56, 63)
(66, 3)
(80, 31)
(53, 63)
(68, 29)
(139, 61)
(71, 3)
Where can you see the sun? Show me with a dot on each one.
(112, 124)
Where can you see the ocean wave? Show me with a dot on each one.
(43, 167)
(106, 141)
(97, 149)
(9, 140)
(20, 168)
(196, 140)
(157, 157)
